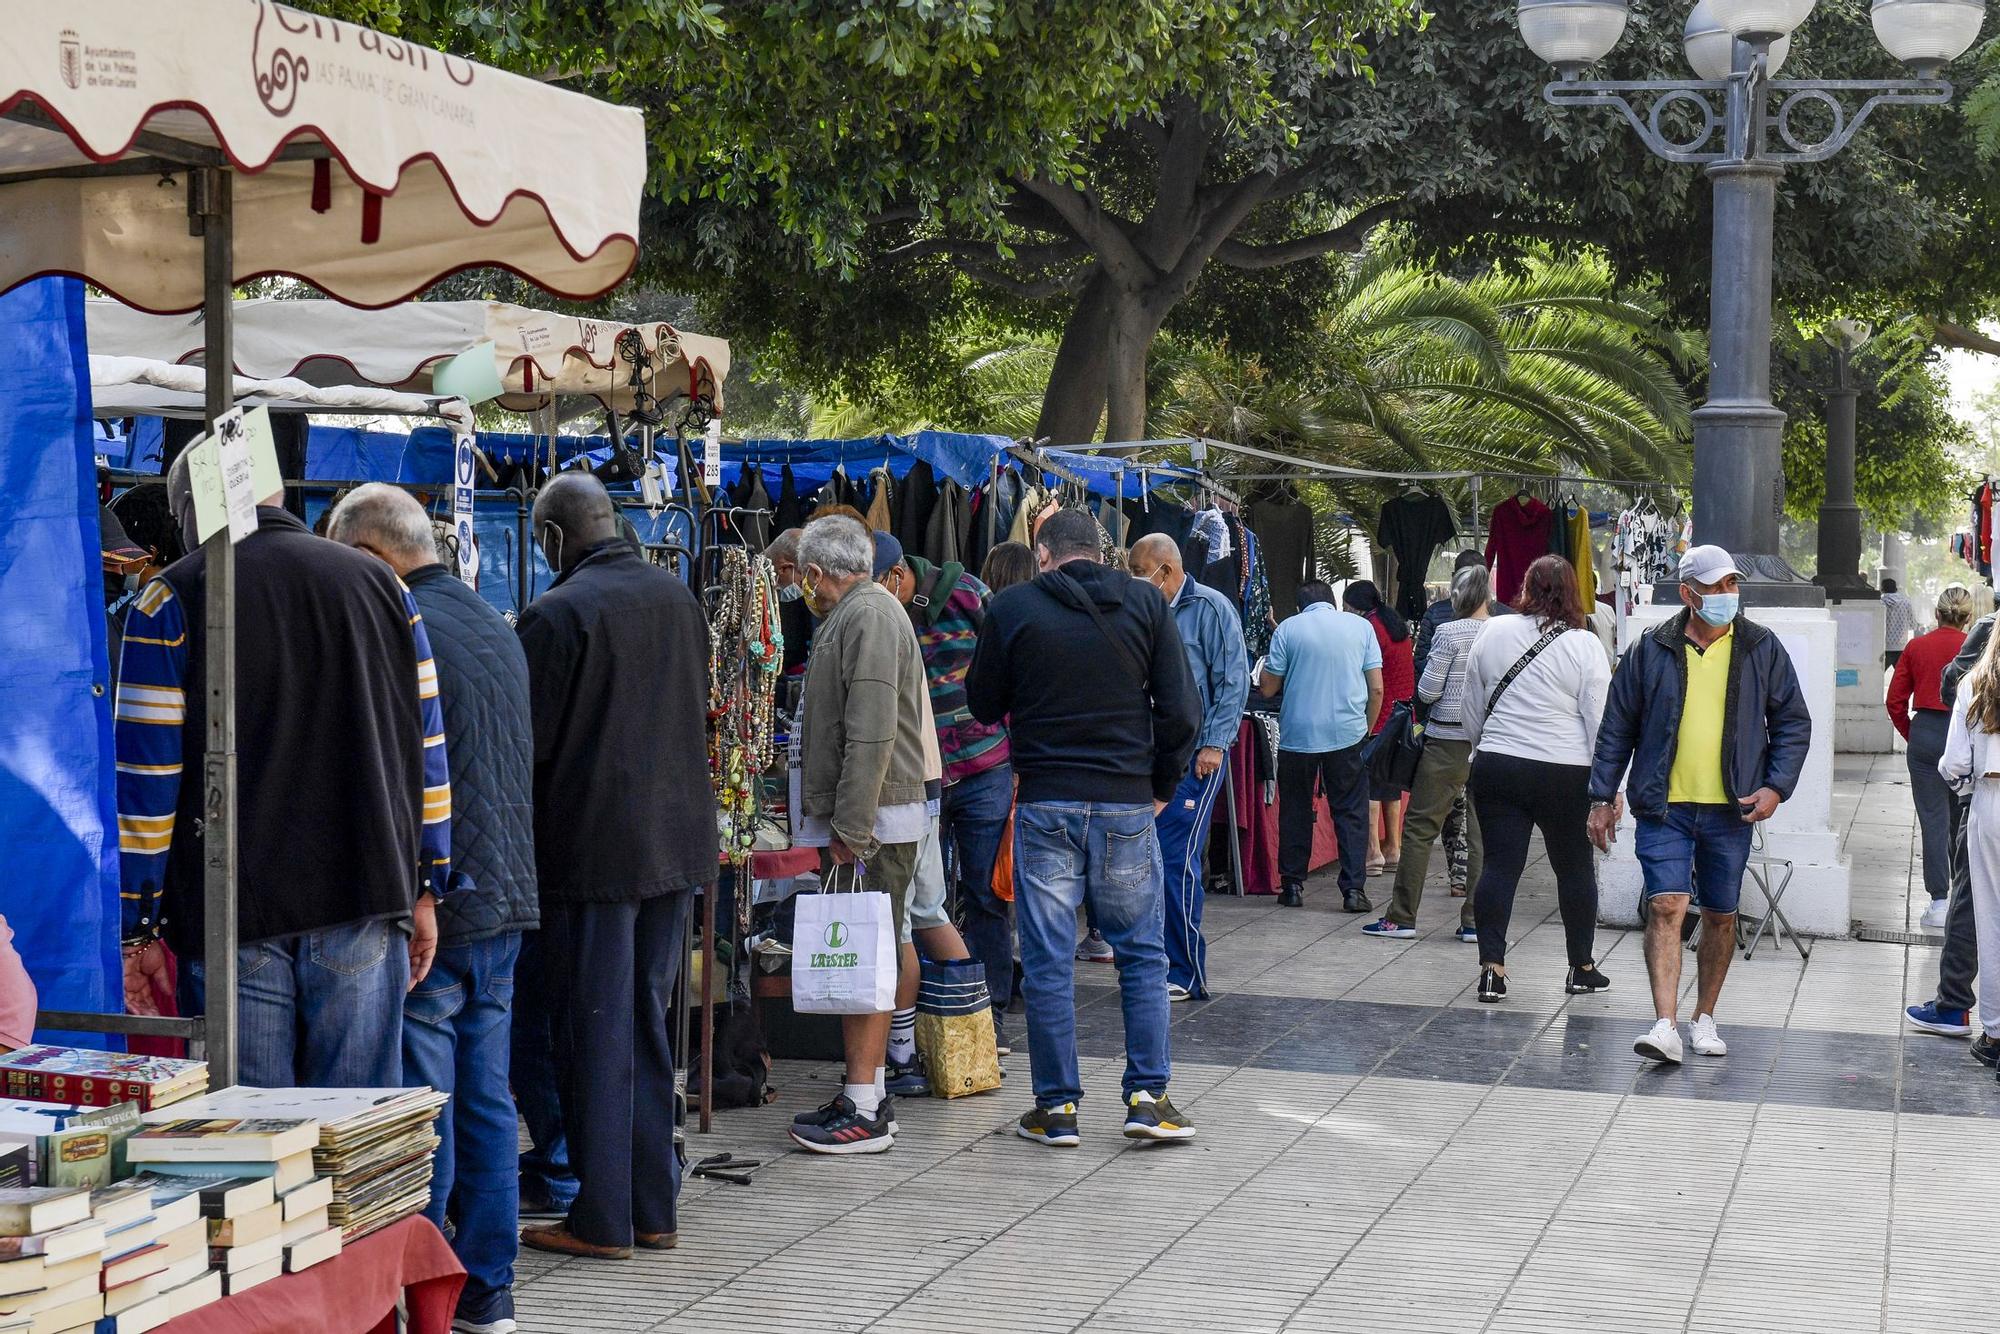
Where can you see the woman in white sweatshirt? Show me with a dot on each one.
(1534, 695)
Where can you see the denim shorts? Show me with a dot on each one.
(1696, 850)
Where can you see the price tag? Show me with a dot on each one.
(239, 490)
(711, 454)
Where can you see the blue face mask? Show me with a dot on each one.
(1719, 609)
(791, 593)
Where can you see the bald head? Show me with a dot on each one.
(1157, 559)
(388, 523)
(573, 513)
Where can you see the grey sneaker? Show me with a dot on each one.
(1094, 948)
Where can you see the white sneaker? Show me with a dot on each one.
(1662, 1042)
(1177, 993)
(1704, 1039)
(1933, 918)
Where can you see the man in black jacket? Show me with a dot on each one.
(624, 835)
(456, 1022)
(1087, 666)
(344, 838)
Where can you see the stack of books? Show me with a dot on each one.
(85, 1078)
(155, 1253)
(47, 1144)
(267, 1210)
(51, 1260)
(376, 1144)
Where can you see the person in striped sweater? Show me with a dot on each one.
(344, 799)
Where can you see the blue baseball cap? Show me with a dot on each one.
(888, 554)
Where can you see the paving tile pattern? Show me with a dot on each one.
(1381, 1153)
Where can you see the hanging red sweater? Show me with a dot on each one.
(1517, 537)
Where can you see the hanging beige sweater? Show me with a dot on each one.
(878, 508)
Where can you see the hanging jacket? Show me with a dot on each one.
(790, 511)
(879, 514)
(950, 522)
(915, 499)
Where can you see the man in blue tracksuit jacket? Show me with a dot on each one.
(1220, 664)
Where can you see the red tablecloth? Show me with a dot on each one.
(1257, 823)
(778, 865)
(353, 1293)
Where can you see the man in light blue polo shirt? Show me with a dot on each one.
(1329, 665)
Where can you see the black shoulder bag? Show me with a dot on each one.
(1549, 636)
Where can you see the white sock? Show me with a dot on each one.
(903, 1036)
(1140, 1096)
(881, 1085)
(867, 1098)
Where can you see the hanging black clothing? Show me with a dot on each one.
(950, 523)
(790, 511)
(914, 500)
(1284, 528)
(1414, 525)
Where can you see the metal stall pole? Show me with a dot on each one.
(708, 996)
(524, 560)
(210, 202)
(1235, 836)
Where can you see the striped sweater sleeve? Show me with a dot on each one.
(435, 848)
(150, 713)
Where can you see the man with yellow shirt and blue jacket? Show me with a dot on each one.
(1707, 711)
(344, 839)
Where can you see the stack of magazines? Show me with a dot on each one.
(376, 1144)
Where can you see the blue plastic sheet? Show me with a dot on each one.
(58, 812)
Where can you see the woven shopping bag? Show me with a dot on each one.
(955, 1029)
(844, 952)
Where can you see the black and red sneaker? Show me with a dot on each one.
(842, 1129)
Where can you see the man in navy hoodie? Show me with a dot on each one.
(1087, 666)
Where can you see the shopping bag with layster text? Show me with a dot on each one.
(844, 954)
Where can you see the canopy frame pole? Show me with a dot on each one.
(212, 216)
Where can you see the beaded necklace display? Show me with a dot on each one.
(746, 652)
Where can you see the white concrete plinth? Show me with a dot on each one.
(1817, 903)
(1861, 723)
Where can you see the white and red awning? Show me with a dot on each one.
(538, 355)
(367, 166)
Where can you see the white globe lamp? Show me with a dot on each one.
(1711, 48)
(1927, 35)
(1571, 34)
(1761, 20)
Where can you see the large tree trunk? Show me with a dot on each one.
(1073, 403)
(1135, 319)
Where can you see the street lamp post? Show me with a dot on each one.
(1737, 120)
(1839, 517)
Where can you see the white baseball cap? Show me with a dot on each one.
(1707, 565)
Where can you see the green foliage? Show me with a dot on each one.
(1909, 446)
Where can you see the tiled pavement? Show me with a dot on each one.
(1381, 1153)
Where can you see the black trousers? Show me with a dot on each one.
(1514, 798)
(1958, 962)
(610, 970)
(1346, 781)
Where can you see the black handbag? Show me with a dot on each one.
(1392, 754)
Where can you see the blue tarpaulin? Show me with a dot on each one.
(58, 812)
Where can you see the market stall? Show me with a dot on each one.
(169, 153)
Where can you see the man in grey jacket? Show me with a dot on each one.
(862, 794)
(456, 1021)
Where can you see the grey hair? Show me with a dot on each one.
(1471, 589)
(785, 546)
(838, 545)
(387, 518)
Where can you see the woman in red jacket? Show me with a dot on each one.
(1399, 683)
(1917, 708)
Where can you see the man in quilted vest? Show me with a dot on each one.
(456, 1021)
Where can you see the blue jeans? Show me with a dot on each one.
(545, 1168)
(1067, 853)
(1697, 850)
(1183, 832)
(455, 1039)
(975, 815)
(319, 1010)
